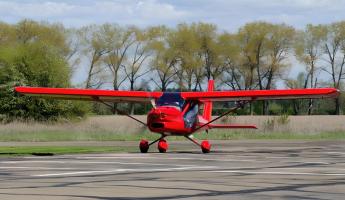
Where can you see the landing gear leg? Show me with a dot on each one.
(205, 144)
(144, 145)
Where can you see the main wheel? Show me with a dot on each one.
(162, 146)
(205, 146)
(144, 146)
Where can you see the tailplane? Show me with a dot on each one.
(208, 104)
(208, 114)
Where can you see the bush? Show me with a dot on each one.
(35, 56)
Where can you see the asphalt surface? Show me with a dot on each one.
(234, 170)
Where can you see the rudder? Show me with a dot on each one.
(208, 104)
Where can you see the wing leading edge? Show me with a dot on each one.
(90, 94)
(250, 95)
(145, 97)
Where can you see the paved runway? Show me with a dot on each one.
(235, 170)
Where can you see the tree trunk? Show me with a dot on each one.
(295, 107)
(131, 105)
(114, 111)
(310, 106)
(89, 76)
(251, 108)
(312, 85)
(132, 108)
(337, 106)
(115, 87)
(163, 86)
(265, 107)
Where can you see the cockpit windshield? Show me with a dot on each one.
(171, 99)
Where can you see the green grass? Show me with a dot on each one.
(213, 135)
(253, 135)
(48, 136)
(56, 150)
(65, 136)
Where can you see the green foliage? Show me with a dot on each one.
(36, 57)
(185, 57)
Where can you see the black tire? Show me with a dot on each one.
(144, 146)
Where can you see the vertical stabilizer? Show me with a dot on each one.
(208, 104)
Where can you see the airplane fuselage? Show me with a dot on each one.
(169, 120)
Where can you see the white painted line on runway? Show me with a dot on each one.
(174, 158)
(33, 161)
(322, 163)
(333, 152)
(127, 170)
(111, 157)
(92, 162)
(208, 159)
(295, 161)
(280, 157)
(275, 173)
(126, 163)
(59, 168)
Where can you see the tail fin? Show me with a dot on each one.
(208, 104)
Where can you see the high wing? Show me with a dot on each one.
(90, 94)
(252, 95)
(145, 97)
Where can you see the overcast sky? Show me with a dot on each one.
(227, 14)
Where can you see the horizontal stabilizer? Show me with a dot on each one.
(232, 126)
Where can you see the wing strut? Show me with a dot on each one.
(240, 105)
(121, 112)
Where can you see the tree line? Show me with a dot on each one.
(259, 55)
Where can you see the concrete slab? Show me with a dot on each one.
(235, 170)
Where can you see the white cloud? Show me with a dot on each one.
(227, 14)
(33, 10)
(78, 13)
(231, 14)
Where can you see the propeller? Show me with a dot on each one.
(153, 103)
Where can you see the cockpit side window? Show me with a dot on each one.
(190, 117)
(171, 99)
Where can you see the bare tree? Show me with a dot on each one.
(300, 82)
(163, 63)
(185, 45)
(278, 48)
(73, 40)
(334, 48)
(308, 49)
(141, 51)
(120, 39)
(95, 47)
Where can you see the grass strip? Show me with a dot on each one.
(241, 135)
(58, 150)
(213, 135)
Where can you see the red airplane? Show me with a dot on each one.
(177, 113)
